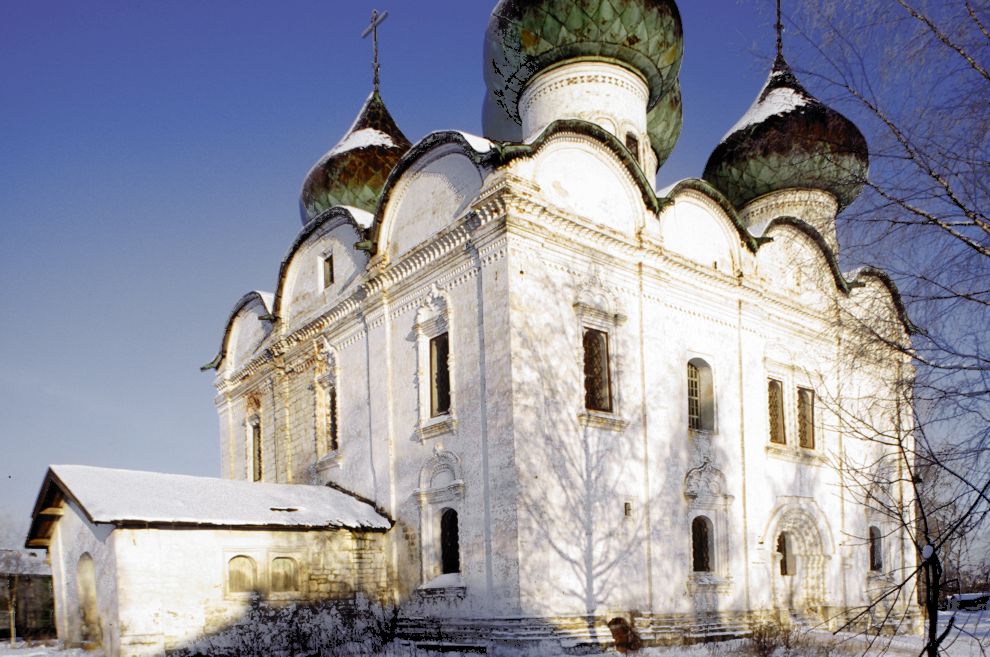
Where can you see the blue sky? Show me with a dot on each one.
(151, 155)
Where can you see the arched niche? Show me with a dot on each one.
(249, 326)
(320, 270)
(441, 496)
(429, 195)
(581, 176)
(791, 263)
(696, 228)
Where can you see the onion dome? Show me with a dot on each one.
(663, 123)
(525, 37)
(355, 170)
(789, 139)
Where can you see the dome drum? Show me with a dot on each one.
(612, 96)
(532, 45)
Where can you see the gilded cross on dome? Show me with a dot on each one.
(376, 20)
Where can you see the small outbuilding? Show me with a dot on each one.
(25, 595)
(144, 562)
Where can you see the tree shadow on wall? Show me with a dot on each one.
(583, 534)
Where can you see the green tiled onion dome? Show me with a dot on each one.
(663, 123)
(525, 37)
(355, 170)
(789, 139)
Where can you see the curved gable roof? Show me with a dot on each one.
(335, 216)
(265, 298)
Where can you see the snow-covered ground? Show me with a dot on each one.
(970, 639)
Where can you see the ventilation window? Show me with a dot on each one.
(327, 271)
(775, 398)
(597, 383)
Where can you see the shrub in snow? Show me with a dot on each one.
(322, 629)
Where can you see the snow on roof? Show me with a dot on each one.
(115, 496)
(361, 139)
(23, 562)
(363, 218)
(479, 144)
(779, 100)
(668, 189)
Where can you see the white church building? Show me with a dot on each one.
(509, 385)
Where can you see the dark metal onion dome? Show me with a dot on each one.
(525, 37)
(663, 123)
(789, 139)
(355, 170)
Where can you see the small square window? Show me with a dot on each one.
(327, 271)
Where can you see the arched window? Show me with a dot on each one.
(876, 549)
(285, 575)
(701, 397)
(241, 575)
(450, 550)
(787, 567)
(701, 544)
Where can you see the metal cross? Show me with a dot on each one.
(780, 33)
(376, 20)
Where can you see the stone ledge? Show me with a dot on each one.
(597, 420)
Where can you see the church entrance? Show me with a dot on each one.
(799, 568)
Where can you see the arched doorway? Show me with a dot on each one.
(800, 547)
(90, 629)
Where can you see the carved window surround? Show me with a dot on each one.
(441, 486)
(432, 320)
(595, 308)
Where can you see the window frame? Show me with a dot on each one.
(605, 371)
(806, 428)
(595, 312)
(256, 448)
(327, 273)
(256, 588)
(292, 593)
(706, 399)
(440, 399)
(433, 320)
(875, 544)
(707, 550)
(781, 421)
